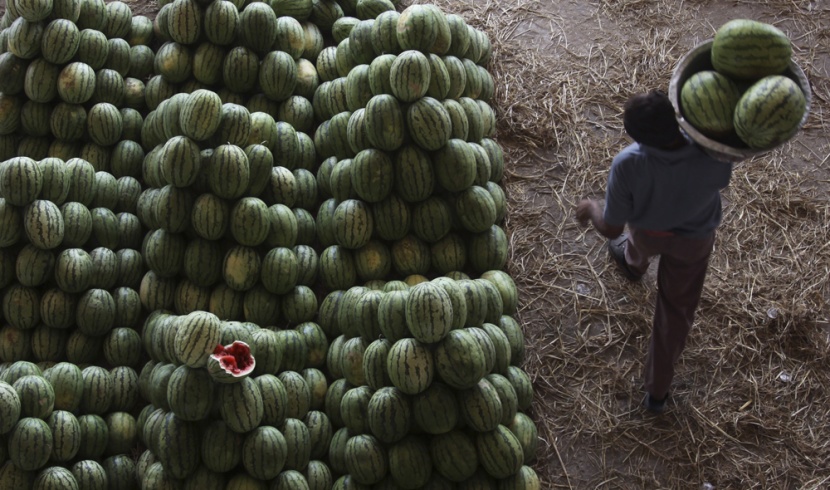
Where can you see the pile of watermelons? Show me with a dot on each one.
(254, 245)
(746, 97)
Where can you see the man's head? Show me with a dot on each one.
(649, 119)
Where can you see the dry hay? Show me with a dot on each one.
(750, 399)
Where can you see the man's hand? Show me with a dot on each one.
(587, 210)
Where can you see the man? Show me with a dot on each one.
(667, 190)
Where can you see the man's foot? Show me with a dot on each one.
(616, 248)
(654, 405)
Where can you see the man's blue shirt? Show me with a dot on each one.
(666, 190)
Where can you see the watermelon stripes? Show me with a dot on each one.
(748, 49)
(429, 123)
(769, 112)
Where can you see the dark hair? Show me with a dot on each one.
(649, 119)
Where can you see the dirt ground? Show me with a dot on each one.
(749, 396)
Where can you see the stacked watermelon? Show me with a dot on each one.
(72, 80)
(428, 382)
(746, 96)
(68, 427)
(289, 213)
(220, 415)
(70, 265)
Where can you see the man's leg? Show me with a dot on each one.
(639, 249)
(680, 276)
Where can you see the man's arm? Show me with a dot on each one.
(590, 210)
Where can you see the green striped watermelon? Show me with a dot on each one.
(278, 75)
(392, 315)
(410, 462)
(448, 254)
(708, 101)
(220, 22)
(299, 394)
(240, 69)
(240, 405)
(454, 165)
(481, 407)
(55, 477)
(125, 388)
(353, 224)
(499, 452)
(197, 336)
(207, 63)
(13, 70)
(122, 346)
(460, 360)
(89, 473)
(379, 71)
(25, 37)
(221, 448)
(371, 175)
(432, 219)
(429, 123)
(414, 175)
(366, 459)
(343, 59)
(21, 181)
(9, 407)
(288, 36)
(436, 411)
(384, 121)
(358, 89)
(274, 398)
(417, 28)
(523, 427)
(429, 312)
(33, 11)
(173, 447)
(298, 442)
(184, 21)
(257, 27)
(384, 34)
(522, 384)
(410, 256)
(369, 9)
(769, 112)
(488, 250)
(30, 444)
(409, 75)
(201, 114)
(229, 171)
(454, 455)
(43, 224)
(316, 379)
(747, 49)
(264, 452)
(40, 84)
(389, 414)
(410, 365)
(118, 20)
(61, 39)
(210, 216)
